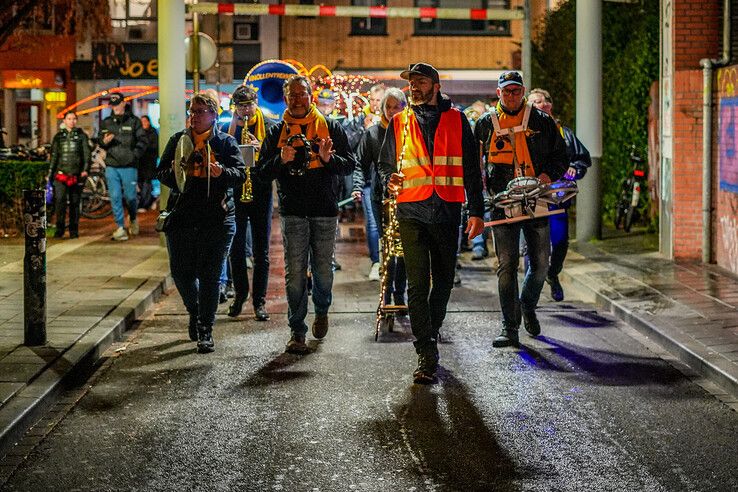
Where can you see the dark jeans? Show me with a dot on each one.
(145, 199)
(559, 225)
(63, 192)
(507, 247)
(430, 249)
(396, 274)
(196, 258)
(258, 213)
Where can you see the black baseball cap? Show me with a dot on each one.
(424, 69)
(116, 98)
(510, 77)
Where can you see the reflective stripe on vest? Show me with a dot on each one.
(446, 175)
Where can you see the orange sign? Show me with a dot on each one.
(29, 79)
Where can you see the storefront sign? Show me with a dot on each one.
(31, 79)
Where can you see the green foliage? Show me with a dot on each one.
(16, 176)
(630, 52)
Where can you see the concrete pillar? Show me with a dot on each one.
(526, 50)
(171, 32)
(589, 115)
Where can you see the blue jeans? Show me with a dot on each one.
(370, 224)
(315, 236)
(507, 247)
(559, 225)
(122, 186)
(196, 258)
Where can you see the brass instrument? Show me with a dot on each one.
(247, 191)
(390, 246)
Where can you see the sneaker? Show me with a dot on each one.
(336, 266)
(297, 345)
(320, 326)
(59, 234)
(205, 343)
(507, 337)
(557, 292)
(532, 326)
(230, 292)
(120, 235)
(249, 263)
(374, 272)
(261, 313)
(133, 228)
(235, 309)
(193, 326)
(222, 298)
(427, 367)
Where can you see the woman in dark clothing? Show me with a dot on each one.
(203, 218)
(393, 102)
(147, 164)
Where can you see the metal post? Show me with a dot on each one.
(195, 53)
(34, 268)
(171, 32)
(589, 115)
(525, 49)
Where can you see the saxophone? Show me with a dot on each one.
(247, 192)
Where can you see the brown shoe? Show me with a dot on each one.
(320, 326)
(297, 345)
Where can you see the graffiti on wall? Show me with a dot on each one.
(728, 155)
(727, 140)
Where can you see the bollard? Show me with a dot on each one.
(34, 268)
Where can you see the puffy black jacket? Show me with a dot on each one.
(70, 152)
(129, 144)
(367, 156)
(203, 204)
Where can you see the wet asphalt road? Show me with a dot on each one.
(583, 407)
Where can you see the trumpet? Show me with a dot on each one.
(247, 191)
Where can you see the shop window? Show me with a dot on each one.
(462, 27)
(368, 26)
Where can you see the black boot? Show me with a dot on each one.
(237, 306)
(427, 365)
(508, 337)
(205, 342)
(193, 326)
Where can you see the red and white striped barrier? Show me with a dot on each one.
(355, 11)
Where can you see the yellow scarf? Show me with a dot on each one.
(316, 128)
(200, 170)
(384, 121)
(504, 155)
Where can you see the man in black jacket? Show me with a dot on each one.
(306, 153)
(124, 141)
(70, 163)
(430, 160)
(519, 141)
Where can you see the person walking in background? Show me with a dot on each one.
(430, 161)
(203, 219)
(124, 140)
(70, 163)
(147, 165)
(249, 127)
(308, 204)
(579, 161)
(519, 141)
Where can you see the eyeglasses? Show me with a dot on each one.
(246, 104)
(198, 112)
(512, 92)
(295, 97)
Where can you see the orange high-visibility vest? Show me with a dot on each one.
(446, 174)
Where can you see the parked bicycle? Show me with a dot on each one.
(626, 210)
(95, 200)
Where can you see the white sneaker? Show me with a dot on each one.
(374, 272)
(120, 235)
(133, 228)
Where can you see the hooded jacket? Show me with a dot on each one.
(129, 143)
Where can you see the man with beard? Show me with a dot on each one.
(519, 141)
(307, 202)
(430, 161)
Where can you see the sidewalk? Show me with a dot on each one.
(96, 289)
(688, 308)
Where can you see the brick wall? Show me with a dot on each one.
(697, 33)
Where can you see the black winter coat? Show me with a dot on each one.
(129, 143)
(70, 152)
(197, 207)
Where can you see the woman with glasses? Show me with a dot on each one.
(202, 222)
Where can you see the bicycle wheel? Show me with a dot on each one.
(95, 201)
(618, 215)
(628, 219)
